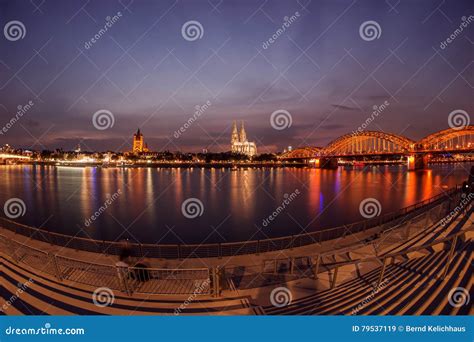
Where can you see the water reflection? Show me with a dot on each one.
(61, 198)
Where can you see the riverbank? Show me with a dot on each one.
(217, 165)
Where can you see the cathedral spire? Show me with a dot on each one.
(235, 135)
(243, 135)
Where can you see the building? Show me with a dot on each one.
(139, 144)
(239, 142)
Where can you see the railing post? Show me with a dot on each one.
(292, 265)
(218, 276)
(334, 277)
(219, 251)
(406, 233)
(215, 281)
(210, 281)
(213, 276)
(179, 251)
(57, 270)
(316, 267)
(382, 272)
(450, 257)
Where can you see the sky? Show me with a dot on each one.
(322, 72)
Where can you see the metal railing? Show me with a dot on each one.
(279, 270)
(169, 251)
(126, 279)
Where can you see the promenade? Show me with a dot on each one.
(427, 248)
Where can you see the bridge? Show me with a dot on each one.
(366, 144)
(4, 157)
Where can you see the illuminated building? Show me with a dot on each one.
(239, 142)
(139, 144)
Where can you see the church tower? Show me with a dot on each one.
(243, 135)
(138, 142)
(235, 135)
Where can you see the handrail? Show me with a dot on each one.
(201, 269)
(409, 250)
(404, 252)
(109, 265)
(179, 251)
(450, 237)
(380, 257)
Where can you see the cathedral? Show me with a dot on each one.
(239, 142)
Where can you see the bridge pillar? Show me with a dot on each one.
(326, 163)
(417, 161)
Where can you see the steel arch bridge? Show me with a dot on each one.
(301, 153)
(367, 142)
(448, 139)
(372, 143)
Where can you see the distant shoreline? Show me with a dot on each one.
(225, 165)
(208, 165)
(229, 165)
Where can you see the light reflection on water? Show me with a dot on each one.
(235, 202)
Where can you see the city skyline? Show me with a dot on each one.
(237, 158)
(144, 72)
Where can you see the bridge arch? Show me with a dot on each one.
(301, 153)
(368, 142)
(449, 139)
